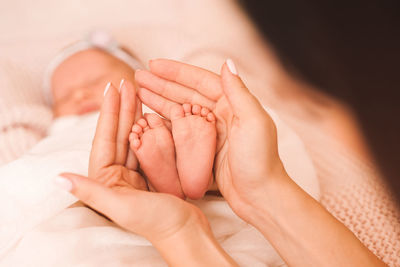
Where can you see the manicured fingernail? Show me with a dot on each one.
(63, 183)
(231, 66)
(107, 87)
(121, 83)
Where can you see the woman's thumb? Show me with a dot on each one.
(242, 102)
(92, 193)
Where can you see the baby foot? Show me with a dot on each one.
(194, 133)
(153, 145)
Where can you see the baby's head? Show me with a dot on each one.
(77, 84)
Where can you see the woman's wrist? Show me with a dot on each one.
(279, 196)
(303, 232)
(194, 244)
(259, 208)
(274, 198)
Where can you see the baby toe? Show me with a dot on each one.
(177, 112)
(136, 128)
(210, 117)
(187, 108)
(154, 120)
(133, 136)
(142, 122)
(134, 140)
(196, 109)
(136, 143)
(204, 112)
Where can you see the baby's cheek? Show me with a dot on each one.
(64, 108)
(69, 104)
(79, 102)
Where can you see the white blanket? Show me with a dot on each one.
(38, 229)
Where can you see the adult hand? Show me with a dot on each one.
(248, 170)
(247, 154)
(115, 188)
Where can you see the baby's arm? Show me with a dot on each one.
(24, 117)
(21, 127)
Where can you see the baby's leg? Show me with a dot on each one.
(154, 147)
(194, 133)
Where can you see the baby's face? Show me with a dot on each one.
(78, 83)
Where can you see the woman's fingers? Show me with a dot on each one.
(131, 160)
(104, 142)
(94, 194)
(243, 104)
(126, 119)
(171, 90)
(156, 102)
(139, 110)
(203, 81)
(114, 204)
(145, 213)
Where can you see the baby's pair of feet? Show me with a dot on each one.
(177, 161)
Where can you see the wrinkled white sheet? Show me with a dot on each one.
(38, 229)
